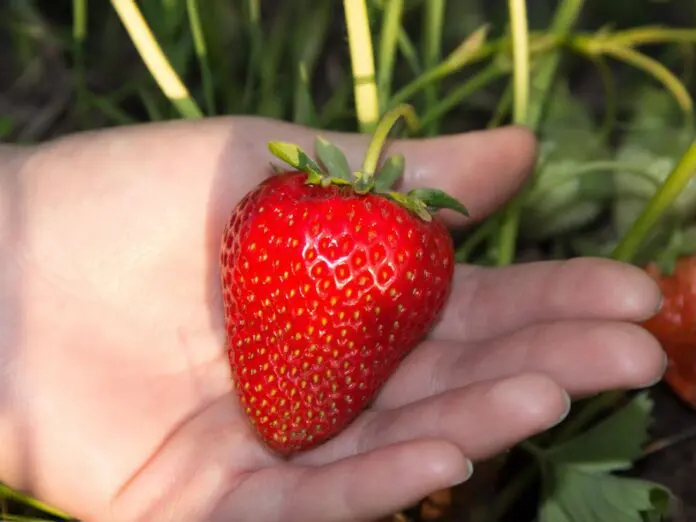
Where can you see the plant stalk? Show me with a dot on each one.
(389, 37)
(199, 43)
(520, 108)
(155, 60)
(433, 21)
(531, 114)
(363, 64)
(664, 197)
(380, 135)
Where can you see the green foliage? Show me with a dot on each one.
(577, 480)
(561, 200)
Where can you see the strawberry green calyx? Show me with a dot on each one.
(332, 168)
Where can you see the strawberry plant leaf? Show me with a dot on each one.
(294, 156)
(333, 159)
(438, 199)
(573, 494)
(561, 201)
(390, 173)
(577, 482)
(611, 444)
(413, 204)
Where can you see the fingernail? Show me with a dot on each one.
(660, 303)
(665, 365)
(566, 411)
(469, 470)
(465, 475)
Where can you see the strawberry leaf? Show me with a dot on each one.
(294, 156)
(415, 205)
(390, 173)
(438, 199)
(612, 444)
(577, 482)
(333, 159)
(578, 495)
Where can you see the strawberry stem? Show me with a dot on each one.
(380, 135)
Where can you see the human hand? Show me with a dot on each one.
(116, 395)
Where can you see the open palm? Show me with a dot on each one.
(118, 400)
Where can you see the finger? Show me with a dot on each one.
(374, 484)
(482, 169)
(583, 357)
(482, 419)
(486, 302)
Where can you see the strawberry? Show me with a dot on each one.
(675, 325)
(329, 279)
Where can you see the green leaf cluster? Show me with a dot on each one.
(579, 483)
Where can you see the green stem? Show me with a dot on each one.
(664, 197)
(362, 63)
(8, 493)
(432, 52)
(408, 51)
(380, 135)
(659, 72)
(389, 37)
(512, 491)
(441, 71)
(651, 35)
(202, 54)
(585, 416)
(610, 96)
(157, 63)
(520, 108)
(253, 20)
(531, 114)
(520, 58)
(478, 236)
(502, 108)
(490, 73)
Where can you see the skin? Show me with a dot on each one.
(115, 400)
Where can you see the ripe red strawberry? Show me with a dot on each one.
(329, 280)
(675, 325)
